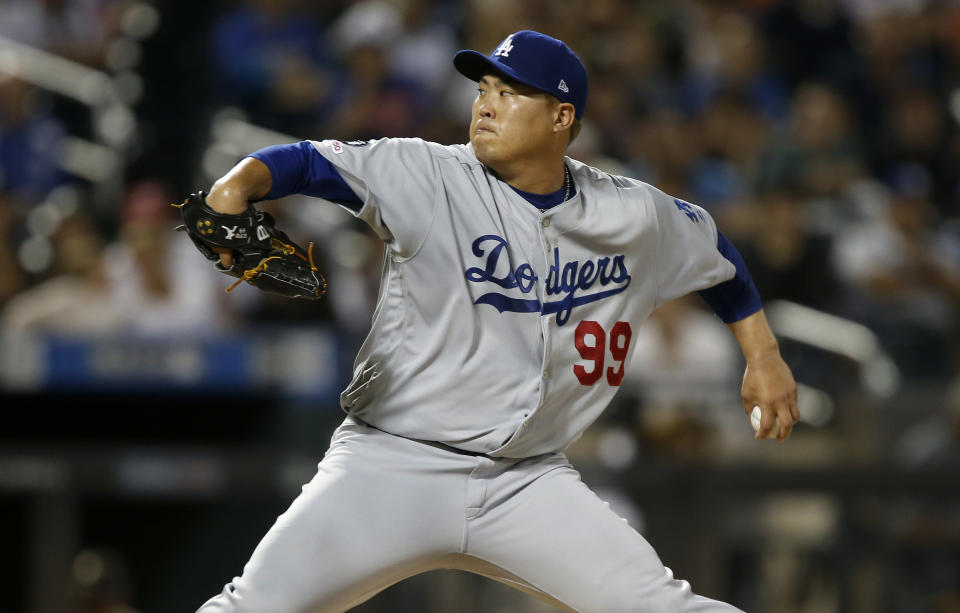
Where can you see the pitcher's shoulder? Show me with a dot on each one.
(599, 179)
(460, 153)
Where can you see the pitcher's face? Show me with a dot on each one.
(510, 121)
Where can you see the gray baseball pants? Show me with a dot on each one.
(382, 508)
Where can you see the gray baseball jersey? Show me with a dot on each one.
(501, 329)
(501, 332)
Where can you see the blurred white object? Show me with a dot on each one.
(879, 375)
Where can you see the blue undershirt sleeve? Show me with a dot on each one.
(298, 168)
(737, 298)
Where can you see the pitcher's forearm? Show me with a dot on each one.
(755, 337)
(248, 181)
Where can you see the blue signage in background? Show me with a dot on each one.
(300, 364)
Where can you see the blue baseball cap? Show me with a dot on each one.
(536, 60)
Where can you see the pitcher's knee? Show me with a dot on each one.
(665, 596)
(233, 599)
(224, 602)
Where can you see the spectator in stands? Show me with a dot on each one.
(153, 289)
(734, 137)
(819, 150)
(668, 146)
(76, 299)
(727, 56)
(427, 35)
(788, 260)
(376, 100)
(896, 52)
(30, 144)
(272, 60)
(900, 279)
(79, 30)
(11, 276)
(810, 40)
(917, 137)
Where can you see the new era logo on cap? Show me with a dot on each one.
(535, 59)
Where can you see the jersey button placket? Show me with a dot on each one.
(549, 243)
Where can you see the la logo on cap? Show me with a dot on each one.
(505, 48)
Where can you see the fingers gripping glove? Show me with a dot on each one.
(263, 256)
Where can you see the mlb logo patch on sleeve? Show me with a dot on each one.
(695, 215)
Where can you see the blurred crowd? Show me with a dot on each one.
(821, 135)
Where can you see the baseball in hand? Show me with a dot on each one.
(755, 422)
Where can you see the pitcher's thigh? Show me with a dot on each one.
(357, 528)
(563, 540)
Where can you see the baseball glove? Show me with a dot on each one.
(263, 256)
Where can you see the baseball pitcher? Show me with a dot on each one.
(513, 280)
